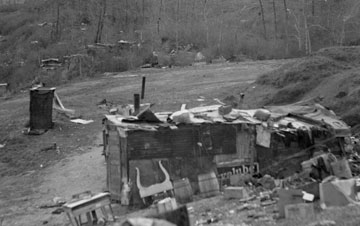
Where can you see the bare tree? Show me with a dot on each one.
(159, 16)
(307, 39)
(313, 7)
(143, 12)
(286, 28)
(263, 18)
(206, 21)
(354, 9)
(177, 24)
(221, 30)
(58, 21)
(275, 21)
(100, 24)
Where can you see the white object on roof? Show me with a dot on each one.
(82, 121)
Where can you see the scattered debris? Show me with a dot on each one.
(58, 211)
(267, 182)
(247, 206)
(82, 121)
(43, 24)
(46, 206)
(323, 223)
(102, 102)
(140, 221)
(166, 205)
(220, 102)
(53, 147)
(299, 211)
(207, 221)
(59, 200)
(287, 197)
(59, 107)
(268, 203)
(50, 64)
(235, 193)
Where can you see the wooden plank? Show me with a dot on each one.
(113, 165)
(93, 206)
(124, 162)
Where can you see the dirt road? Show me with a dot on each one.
(31, 178)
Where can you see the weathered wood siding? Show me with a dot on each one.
(245, 150)
(182, 142)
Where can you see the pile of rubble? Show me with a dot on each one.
(325, 181)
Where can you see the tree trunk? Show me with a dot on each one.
(313, 7)
(206, 23)
(221, 31)
(159, 18)
(342, 35)
(126, 15)
(143, 12)
(299, 35)
(306, 30)
(100, 22)
(275, 23)
(193, 17)
(263, 18)
(57, 34)
(286, 29)
(177, 25)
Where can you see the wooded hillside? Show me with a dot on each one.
(235, 29)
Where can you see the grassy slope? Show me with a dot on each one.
(330, 73)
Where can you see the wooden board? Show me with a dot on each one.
(114, 182)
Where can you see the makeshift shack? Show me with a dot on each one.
(213, 138)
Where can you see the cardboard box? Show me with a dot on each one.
(235, 193)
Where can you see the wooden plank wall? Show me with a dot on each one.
(245, 150)
(182, 142)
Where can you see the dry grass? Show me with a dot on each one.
(327, 73)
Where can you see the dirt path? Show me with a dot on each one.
(69, 176)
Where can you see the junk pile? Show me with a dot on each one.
(268, 163)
